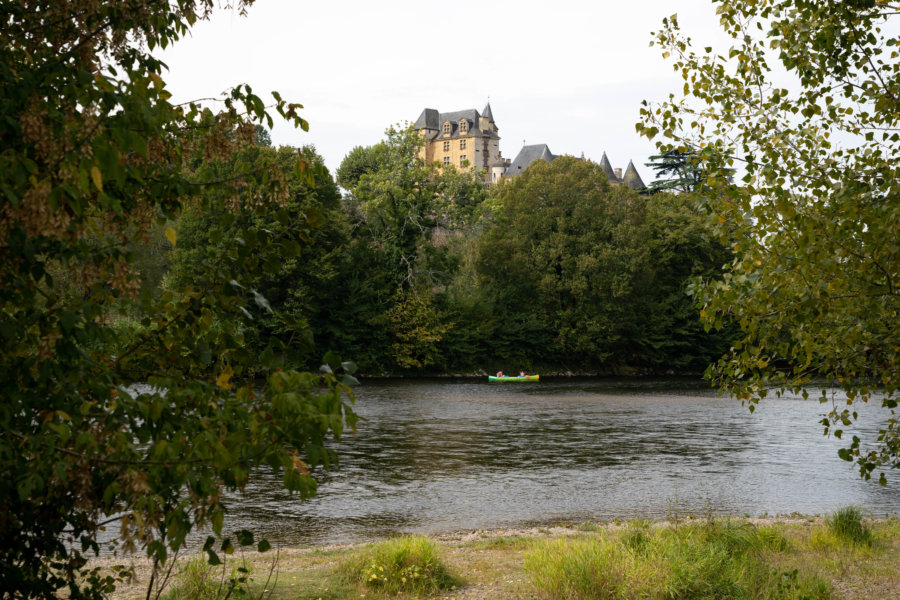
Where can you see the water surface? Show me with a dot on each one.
(443, 455)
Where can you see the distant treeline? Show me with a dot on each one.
(419, 269)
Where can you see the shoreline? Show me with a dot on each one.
(549, 528)
(491, 560)
(544, 529)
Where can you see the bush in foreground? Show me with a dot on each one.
(406, 564)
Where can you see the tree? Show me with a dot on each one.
(362, 160)
(405, 217)
(814, 220)
(676, 170)
(568, 249)
(92, 162)
(683, 245)
(304, 282)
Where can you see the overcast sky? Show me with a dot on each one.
(567, 73)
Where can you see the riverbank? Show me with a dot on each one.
(796, 556)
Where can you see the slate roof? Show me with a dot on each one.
(487, 114)
(429, 119)
(526, 156)
(433, 120)
(607, 168)
(631, 177)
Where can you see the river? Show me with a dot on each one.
(440, 455)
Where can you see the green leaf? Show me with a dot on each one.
(245, 537)
(97, 178)
(171, 235)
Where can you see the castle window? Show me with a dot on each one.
(446, 146)
(463, 126)
(462, 160)
(462, 144)
(446, 160)
(447, 128)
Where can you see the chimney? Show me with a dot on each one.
(618, 174)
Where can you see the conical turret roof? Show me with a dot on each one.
(607, 168)
(486, 113)
(631, 177)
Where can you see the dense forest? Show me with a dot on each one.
(419, 269)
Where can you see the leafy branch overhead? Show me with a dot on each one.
(804, 109)
(142, 429)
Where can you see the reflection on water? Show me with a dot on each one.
(446, 455)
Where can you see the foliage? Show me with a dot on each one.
(406, 564)
(718, 559)
(683, 247)
(417, 328)
(555, 269)
(594, 273)
(406, 218)
(805, 104)
(308, 222)
(676, 171)
(196, 580)
(566, 246)
(362, 160)
(92, 163)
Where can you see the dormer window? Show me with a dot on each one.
(463, 126)
(447, 128)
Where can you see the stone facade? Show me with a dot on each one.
(468, 139)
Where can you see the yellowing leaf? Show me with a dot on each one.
(224, 378)
(97, 177)
(171, 235)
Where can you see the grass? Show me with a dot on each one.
(715, 559)
(198, 580)
(408, 564)
(790, 559)
(848, 525)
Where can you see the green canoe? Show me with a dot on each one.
(515, 378)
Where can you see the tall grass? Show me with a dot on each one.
(715, 560)
(847, 524)
(197, 580)
(408, 564)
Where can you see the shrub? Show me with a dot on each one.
(406, 564)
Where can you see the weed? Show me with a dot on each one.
(847, 524)
(514, 542)
(405, 564)
(197, 581)
(589, 526)
(636, 540)
(771, 538)
(709, 560)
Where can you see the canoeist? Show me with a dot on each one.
(499, 373)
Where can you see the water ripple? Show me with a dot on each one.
(446, 455)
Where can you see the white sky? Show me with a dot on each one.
(568, 73)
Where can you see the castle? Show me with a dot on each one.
(470, 140)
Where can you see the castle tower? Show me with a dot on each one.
(466, 139)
